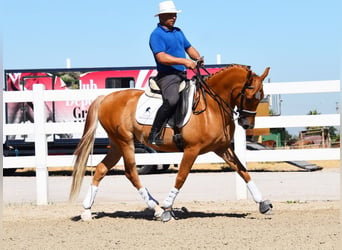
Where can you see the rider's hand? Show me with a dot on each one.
(200, 61)
(190, 64)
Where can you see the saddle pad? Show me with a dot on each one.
(147, 107)
(153, 90)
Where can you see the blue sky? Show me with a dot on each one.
(299, 40)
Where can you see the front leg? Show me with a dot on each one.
(151, 202)
(229, 156)
(188, 160)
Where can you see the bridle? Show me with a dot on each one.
(244, 112)
(203, 86)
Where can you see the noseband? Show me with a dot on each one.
(244, 112)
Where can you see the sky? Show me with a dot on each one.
(299, 39)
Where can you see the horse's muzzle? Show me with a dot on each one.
(246, 123)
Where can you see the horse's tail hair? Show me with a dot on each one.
(84, 148)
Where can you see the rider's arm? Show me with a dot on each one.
(167, 59)
(193, 53)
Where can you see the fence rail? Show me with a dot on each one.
(40, 129)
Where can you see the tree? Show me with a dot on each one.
(314, 112)
(334, 135)
(332, 131)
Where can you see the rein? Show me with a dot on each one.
(226, 107)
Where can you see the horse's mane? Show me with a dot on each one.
(227, 68)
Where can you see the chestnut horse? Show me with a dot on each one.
(210, 128)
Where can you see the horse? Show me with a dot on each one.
(233, 90)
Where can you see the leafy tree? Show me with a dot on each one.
(334, 135)
(314, 112)
(333, 132)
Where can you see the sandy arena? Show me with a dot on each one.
(206, 225)
(217, 223)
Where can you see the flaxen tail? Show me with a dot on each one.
(84, 148)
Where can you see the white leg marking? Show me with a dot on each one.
(253, 189)
(147, 197)
(168, 202)
(86, 215)
(90, 197)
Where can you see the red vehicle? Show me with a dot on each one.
(71, 111)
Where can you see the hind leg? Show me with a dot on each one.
(131, 173)
(231, 158)
(112, 157)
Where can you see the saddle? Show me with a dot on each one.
(153, 90)
(151, 100)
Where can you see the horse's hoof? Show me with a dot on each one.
(265, 207)
(167, 215)
(158, 212)
(86, 215)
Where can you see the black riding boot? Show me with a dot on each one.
(154, 137)
(160, 120)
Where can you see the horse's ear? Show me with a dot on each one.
(251, 92)
(263, 76)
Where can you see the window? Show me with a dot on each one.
(120, 82)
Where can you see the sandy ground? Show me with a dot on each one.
(202, 225)
(272, 166)
(205, 225)
(251, 166)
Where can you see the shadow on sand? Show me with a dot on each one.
(147, 214)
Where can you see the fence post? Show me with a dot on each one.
(240, 150)
(40, 144)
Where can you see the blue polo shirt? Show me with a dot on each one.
(172, 42)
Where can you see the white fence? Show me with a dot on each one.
(40, 129)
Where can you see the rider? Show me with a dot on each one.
(169, 47)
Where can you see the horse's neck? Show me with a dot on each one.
(225, 84)
(227, 78)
